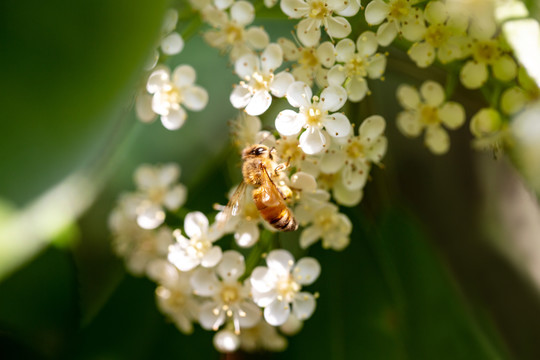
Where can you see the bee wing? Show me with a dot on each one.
(271, 195)
(234, 206)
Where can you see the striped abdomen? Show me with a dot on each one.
(276, 213)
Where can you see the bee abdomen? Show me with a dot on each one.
(279, 217)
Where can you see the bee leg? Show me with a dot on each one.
(282, 167)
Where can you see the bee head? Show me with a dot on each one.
(257, 150)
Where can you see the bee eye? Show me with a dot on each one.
(258, 151)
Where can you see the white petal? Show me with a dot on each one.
(452, 115)
(262, 281)
(437, 140)
(376, 151)
(309, 32)
(277, 313)
(473, 75)
(290, 50)
(143, 108)
(423, 54)
(337, 125)
(345, 50)
(204, 282)
(215, 17)
(376, 12)
(251, 315)
(246, 234)
(408, 97)
(195, 224)
(303, 181)
(223, 4)
(257, 38)
(195, 98)
(259, 103)
(172, 44)
(306, 271)
(432, 92)
(338, 27)
(346, 197)
(299, 94)
(303, 305)
(352, 9)
(325, 54)
(271, 58)
(409, 124)
(371, 128)
(180, 259)
(513, 100)
(281, 83)
(354, 176)
(357, 88)
(149, 215)
(169, 21)
(377, 66)
(332, 161)
(212, 257)
(386, 33)
(413, 28)
(226, 341)
(242, 12)
(184, 75)
(312, 141)
(367, 43)
(435, 12)
(280, 261)
(289, 123)
(246, 65)
(336, 75)
(232, 266)
(210, 319)
(157, 79)
(333, 98)
(309, 236)
(240, 97)
(175, 197)
(168, 174)
(294, 8)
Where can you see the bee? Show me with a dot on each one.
(261, 171)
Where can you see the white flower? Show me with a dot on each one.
(442, 38)
(340, 193)
(329, 225)
(312, 62)
(253, 93)
(277, 286)
(486, 49)
(490, 131)
(317, 13)
(138, 247)
(231, 34)
(171, 43)
(174, 295)
(263, 337)
(172, 91)
(354, 158)
(396, 16)
(245, 224)
(186, 253)
(314, 114)
(230, 299)
(158, 189)
(358, 62)
(429, 112)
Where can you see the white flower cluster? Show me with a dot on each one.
(322, 155)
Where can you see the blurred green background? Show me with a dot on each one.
(425, 276)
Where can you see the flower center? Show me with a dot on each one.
(399, 9)
(287, 288)
(156, 194)
(326, 181)
(229, 294)
(313, 114)
(234, 33)
(198, 248)
(356, 66)
(319, 10)
(486, 51)
(308, 58)
(437, 35)
(174, 298)
(325, 221)
(355, 149)
(262, 81)
(289, 150)
(429, 115)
